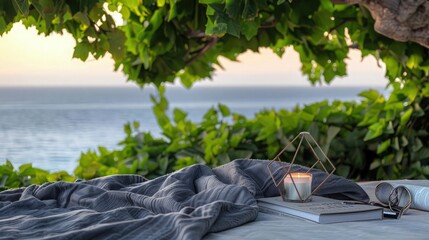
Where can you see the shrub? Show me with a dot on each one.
(377, 138)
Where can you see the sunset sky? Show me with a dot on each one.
(28, 59)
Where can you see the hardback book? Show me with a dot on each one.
(419, 190)
(321, 210)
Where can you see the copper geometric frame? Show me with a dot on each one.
(304, 136)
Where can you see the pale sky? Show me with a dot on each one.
(27, 59)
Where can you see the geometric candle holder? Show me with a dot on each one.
(295, 185)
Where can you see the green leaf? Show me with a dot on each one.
(343, 170)
(132, 4)
(390, 115)
(337, 118)
(371, 95)
(406, 117)
(210, 1)
(216, 28)
(374, 165)
(418, 111)
(232, 27)
(425, 89)
(160, 3)
(156, 20)
(327, 5)
(179, 115)
(3, 25)
(390, 129)
(224, 110)
(314, 130)
(173, 10)
(234, 8)
(83, 18)
(395, 144)
(84, 5)
(417, 145)
(404, 141)
(331, 133)
(136, 125)
(237, 137)
(125, 12)
(323, 18)
(163, 165)
(357, 158)
(9, 165)
(422, 154)
(82, 50)
(250, 29)
(306, 116)
(273, 150)
(425, 170)
(250, 10)
(25, 167)
(240, 154)
(3, 181)
(188, 79)
(127, 129)
(223, 158)
(375, 130)
(392, 67)
(383, 146)
(21, 6)
(117, 44)
(414, 61)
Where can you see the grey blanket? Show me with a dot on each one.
(186, 204)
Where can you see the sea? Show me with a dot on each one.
(51, 126)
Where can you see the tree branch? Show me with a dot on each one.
(210, 43)
(348, 2)
(400, 20)
(270, 24)
(353, 46)
(196, 34)
(343, 21)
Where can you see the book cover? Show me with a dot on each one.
(321, 210)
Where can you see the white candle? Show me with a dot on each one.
(302, 183)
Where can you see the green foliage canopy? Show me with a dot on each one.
(162, 40)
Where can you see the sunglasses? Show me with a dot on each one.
(397, 199)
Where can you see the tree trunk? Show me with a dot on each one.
(401, 20)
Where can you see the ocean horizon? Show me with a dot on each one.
(51, 126)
